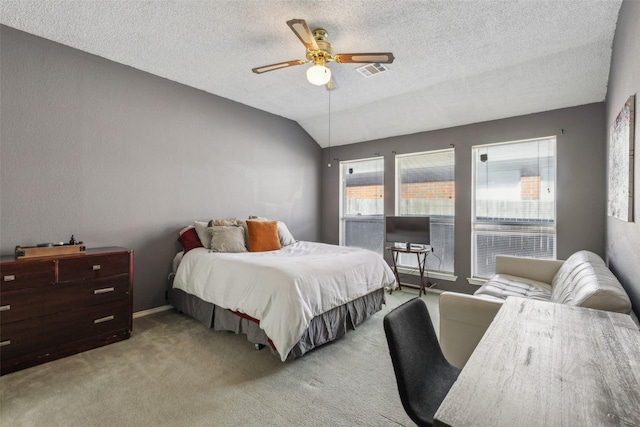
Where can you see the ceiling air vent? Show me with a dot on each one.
(372, 69)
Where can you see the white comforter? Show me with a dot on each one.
(283, 289)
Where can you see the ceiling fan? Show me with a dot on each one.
(320, 53)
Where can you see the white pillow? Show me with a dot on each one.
(203, 234)
(284, 234)
(227, 238)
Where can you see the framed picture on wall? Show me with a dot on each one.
(621, 160)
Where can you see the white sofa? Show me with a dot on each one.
(582, 280)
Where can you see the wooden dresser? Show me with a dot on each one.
(57, 306)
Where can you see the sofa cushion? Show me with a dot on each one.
(584, 280)
(504, 285)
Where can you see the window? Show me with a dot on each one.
(426, 186)
(514, 202)
(362, 220)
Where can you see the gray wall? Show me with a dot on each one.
(119, 157)
(623, 238)
(581, 166)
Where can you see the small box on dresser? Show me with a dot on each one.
(54, 307)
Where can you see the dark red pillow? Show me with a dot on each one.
(190, 240)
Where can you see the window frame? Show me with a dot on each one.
(342, 183)
(478, 280)
(410, 268)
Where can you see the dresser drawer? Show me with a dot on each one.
(58, 306)
(37, 337)
(27, 303)
(92, 267)
(20, 274)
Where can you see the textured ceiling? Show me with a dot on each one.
(457, 62)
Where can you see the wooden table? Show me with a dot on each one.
(546, 364)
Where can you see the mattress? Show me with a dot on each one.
(283, 290)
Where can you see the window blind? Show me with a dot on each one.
(514, 202)
(363, 204)
(426, 187)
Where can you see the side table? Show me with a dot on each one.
(421, 254)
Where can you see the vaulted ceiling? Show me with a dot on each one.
(456, 62)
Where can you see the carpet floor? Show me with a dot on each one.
(175, 372)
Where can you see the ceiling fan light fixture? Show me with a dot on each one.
(320, 52)
(319, 75)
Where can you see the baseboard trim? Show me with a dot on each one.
(427, 289)
(152, 311)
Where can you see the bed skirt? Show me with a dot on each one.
(322, 329)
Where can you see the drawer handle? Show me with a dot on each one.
(96, 267)
(3, 343)
(9, 278)
(104, 319)
(5, 307)
(103, 291)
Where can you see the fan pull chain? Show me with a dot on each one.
(329, 164)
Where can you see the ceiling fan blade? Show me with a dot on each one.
(365, 58)
(279, 65)
(300, 27)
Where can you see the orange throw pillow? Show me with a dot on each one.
(263, 236)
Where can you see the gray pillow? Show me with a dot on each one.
(245, 232)
(227, 238)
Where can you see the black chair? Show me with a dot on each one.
(423, 374)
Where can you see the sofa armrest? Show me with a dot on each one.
(541, 270)
(463, 322)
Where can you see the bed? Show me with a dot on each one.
(292, 299)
